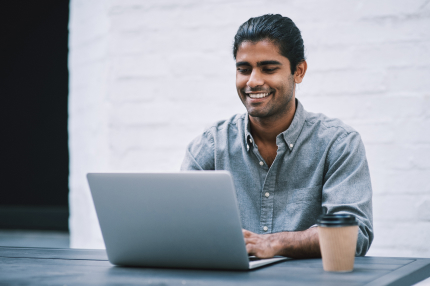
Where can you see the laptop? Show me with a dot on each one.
(176, 220)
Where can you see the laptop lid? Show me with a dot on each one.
(185, 220)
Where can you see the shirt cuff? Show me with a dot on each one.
(314, 225)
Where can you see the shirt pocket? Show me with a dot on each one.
(303, 208)
(310, 195)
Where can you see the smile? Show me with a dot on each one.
(258, 95)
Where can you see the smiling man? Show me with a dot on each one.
(289, 166)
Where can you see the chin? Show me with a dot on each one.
(258, 113)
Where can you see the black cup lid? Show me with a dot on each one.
(333, 220)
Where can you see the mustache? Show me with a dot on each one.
(258, 89)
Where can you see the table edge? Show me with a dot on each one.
(408, 274)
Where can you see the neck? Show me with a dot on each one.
(265, 129)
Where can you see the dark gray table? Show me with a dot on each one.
(47, 266)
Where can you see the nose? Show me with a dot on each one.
(255, 79)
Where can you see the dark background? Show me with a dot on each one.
(34, 159)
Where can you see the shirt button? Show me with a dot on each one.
(250, 140)
(267, 194)
(261, 163)
(291, 145)
(247, 147)
(265, 228)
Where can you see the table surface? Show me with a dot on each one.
(48, 266)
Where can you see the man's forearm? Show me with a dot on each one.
(295, 244)
(298, 244)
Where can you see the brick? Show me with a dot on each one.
(400, 208)
(203, 65)
(369, 31)
(94, 51)
(138, 19)
(136, 90)
(343, 82)
(89, 85)
(84, 14)
(136, 138)
(424, 210)
(387, 55)
(375, 132)
(386, 8)
(144, 114)
(367, 107)
(193, 40)
(390, 107)
(140, 66)
(413, 130)
(401, 238)
(378, 249)
(172, 41)
(408, 79)
(208, 15)
(413, 182)
(323, 58)
(317, 11)
(400, 157)
(150, 161)
(395, 182)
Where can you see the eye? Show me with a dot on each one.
(243, 70)
(268, 70)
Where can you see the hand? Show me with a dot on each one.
(260, 245)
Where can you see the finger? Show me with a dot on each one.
(250, 249)
(251, 240)
(246, 233)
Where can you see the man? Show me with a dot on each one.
(289, 166)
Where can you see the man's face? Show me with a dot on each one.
(263, 79)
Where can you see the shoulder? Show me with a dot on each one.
(226, 127)
(338, 138)
(328, 128)
(220, 131)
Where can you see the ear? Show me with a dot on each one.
(300, 71)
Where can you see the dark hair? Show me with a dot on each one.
(280, 30)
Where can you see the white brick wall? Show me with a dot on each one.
(146, 77)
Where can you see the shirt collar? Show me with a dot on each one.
(296, 126)
(248, 137)
(290, 135)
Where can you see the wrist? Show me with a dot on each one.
(276, 243)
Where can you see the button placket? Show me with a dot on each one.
(267, 203)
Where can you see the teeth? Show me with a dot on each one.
(258, 95)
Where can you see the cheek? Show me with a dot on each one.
(274, 84)
(282, 84)
(241, 81)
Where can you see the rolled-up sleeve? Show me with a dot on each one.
(347, 187)
(200, 154)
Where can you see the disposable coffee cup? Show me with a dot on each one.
(338, 240)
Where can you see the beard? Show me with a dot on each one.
(276, 107)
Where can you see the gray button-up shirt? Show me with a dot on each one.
(320, 168)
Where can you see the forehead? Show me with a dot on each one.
(259, 51)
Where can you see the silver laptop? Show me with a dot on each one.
(178, 220)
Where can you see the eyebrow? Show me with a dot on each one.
(259, 64)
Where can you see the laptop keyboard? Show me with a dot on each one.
(253, 258)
